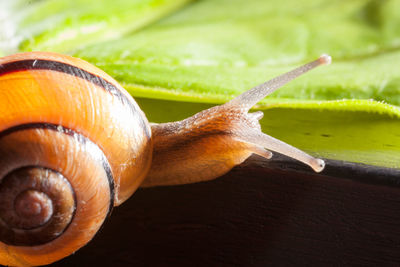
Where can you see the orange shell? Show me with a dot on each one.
(69, 94)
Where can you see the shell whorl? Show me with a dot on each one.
(53, 198)
(36, 206)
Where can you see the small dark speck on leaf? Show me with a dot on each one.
(388, 145)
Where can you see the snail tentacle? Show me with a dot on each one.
(251, 97)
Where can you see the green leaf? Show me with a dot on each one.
(63, 25)
(215, 49)
(212, 50)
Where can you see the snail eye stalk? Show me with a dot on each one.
(254, 135)
(251, 97)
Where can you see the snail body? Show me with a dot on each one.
(74, 144)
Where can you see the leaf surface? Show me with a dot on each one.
(212, 50)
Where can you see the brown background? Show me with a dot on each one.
(261, 213)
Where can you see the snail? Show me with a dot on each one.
(74, 144)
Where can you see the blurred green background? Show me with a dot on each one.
(180, 56)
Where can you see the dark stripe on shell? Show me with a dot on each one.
(43, 64)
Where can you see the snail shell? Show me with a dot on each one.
(73, 143)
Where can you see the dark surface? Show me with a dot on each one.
(257, 215)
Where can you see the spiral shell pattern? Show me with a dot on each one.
(36, 206)
(73, 144)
